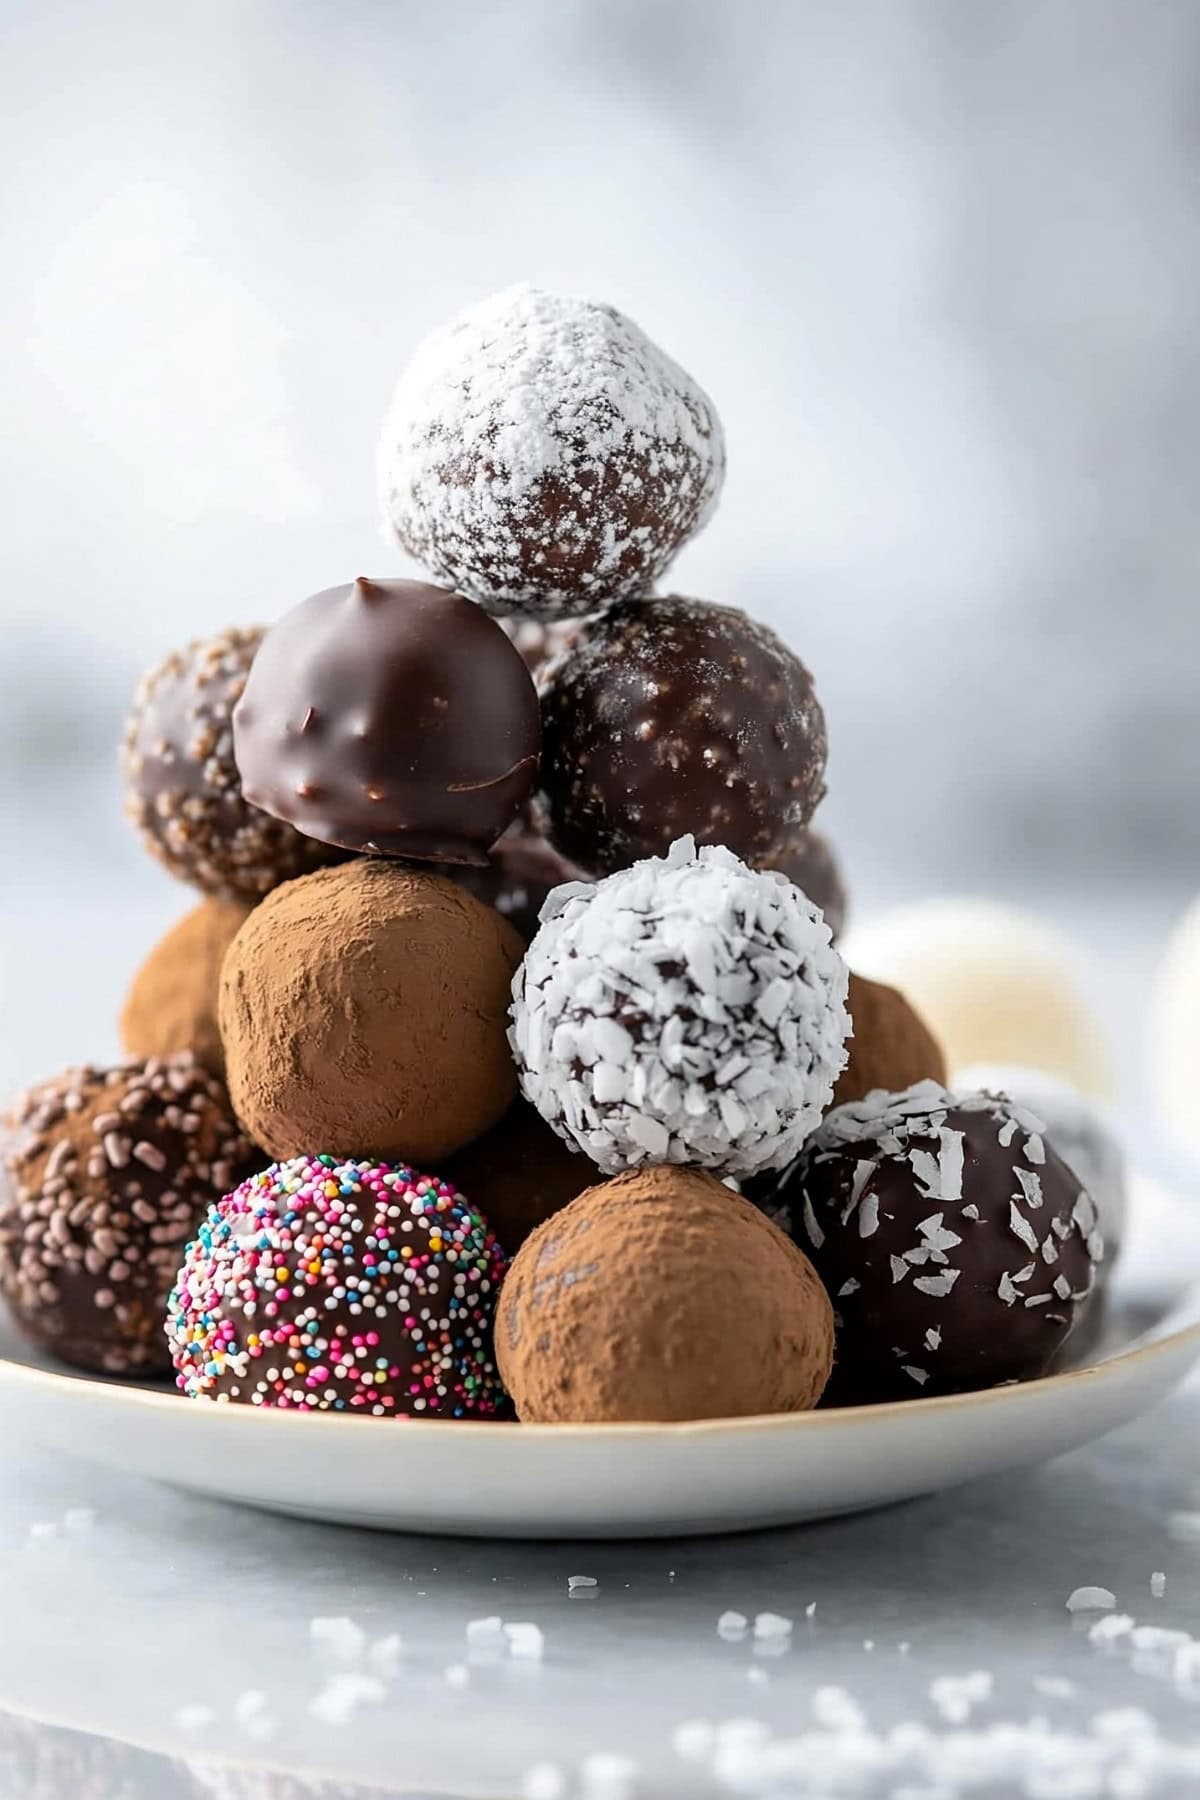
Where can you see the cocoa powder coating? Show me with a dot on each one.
(891, 1045)
(172, 1000)
(363, 1013)
(662, 1295)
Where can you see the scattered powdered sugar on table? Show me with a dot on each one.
(685, 1010)
(544, 456)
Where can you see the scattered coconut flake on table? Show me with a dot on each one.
(1091, 1599)
(526, 1642)
(732, 1626)
(343, 1694)
(1158, 1584)
(954, 1696)
(772, 1625)
(482, 1633)
(1111, 1627)
(544, 1781)
(581, 1584)
(340, 1636)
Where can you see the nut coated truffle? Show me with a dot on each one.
(521, 1172)
(172, 1002)
(543, 456)
(331, 1286)
(661, 1295)
(367, 1005)
(104, 1174)
(673, 716)
(687, 1010)
(183, 793)
(810, 862)
(890, 1046)
(390, 717)
(957, 1245)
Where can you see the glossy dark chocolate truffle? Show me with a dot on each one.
(393, 717)
(674, 716)
(810, 862)
(183, 793)
(957, 1246)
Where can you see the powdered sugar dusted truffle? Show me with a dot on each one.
(957, 1245)
(1079, 1131)
(674, 715)
(340, 1286)
(686, 1010)
(543, 456)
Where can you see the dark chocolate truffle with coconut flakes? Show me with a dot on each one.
(661, 1295)
(390, 717)
(104, 1174)
(675, 716)
(958, 1247)
(183, 793)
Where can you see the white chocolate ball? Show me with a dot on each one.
(1075, 1128)
(1175, 1030)
(993, 984)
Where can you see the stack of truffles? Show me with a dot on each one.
(507, 1062)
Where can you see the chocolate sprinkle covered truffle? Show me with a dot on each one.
(686, 1010)
(661, 1295)
(183, 793)
(340, 1286)
(172, 1001)
(544, 457)
(367, 1006)
(104, 1174)
(674, 716)
(957, 1245)
(390, 717)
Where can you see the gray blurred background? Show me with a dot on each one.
(936, 260)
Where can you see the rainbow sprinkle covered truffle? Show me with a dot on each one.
(325, 1285)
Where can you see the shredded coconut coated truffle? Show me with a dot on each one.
(685, 1010)
(544, 457)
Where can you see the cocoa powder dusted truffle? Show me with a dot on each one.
(172, 1001)
(890, 1045)
(390, 717)
(686, 1010)
(324, 1285)
(543, 456)
(104, 1174)
(675, 715)
(956, 1244)
(810, 862)
(183, 793)
(661, 1295)
(364, 1008)
(520, 1173)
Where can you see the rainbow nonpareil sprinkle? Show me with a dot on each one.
(323, 1285)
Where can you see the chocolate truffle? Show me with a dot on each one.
(676, 716)
(521, 1173)
(393, 717)
(810, 862)
(542, 455)
(172, 1002)
(890, 1046)
(958, 1246)
(523, 869)
(183, 793)
(661, 1295)
(1084, 1138)
(686, 1010)
(367, 1005)
(104, 1174)
(329, 1286)
(540, 646)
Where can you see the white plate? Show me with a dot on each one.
(612, 1481)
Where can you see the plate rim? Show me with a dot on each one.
(1178, 1327)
